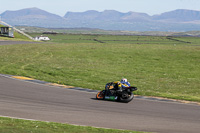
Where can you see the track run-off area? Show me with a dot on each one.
(21, 97)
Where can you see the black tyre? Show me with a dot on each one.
(126, 97)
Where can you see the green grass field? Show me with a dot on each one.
(158, 66)
(10, 125)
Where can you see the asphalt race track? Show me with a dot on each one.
(30, 100)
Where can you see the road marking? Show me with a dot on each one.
(59, 85)
(22, 78)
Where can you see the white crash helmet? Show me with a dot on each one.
(124, 80)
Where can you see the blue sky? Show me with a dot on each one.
(60, 7)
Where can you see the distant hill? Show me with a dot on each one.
(88, 15)
(179, 15)
(28, 14)
(177, 20)
(107, 15)
(31, 17)
(135, 16)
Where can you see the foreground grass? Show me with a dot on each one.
(156, 65)
(10, 125)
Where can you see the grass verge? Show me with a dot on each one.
(10, 125)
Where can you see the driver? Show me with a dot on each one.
(118, 85)
(125, 82)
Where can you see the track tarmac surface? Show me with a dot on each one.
(30, 100)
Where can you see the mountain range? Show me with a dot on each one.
(177, 20)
